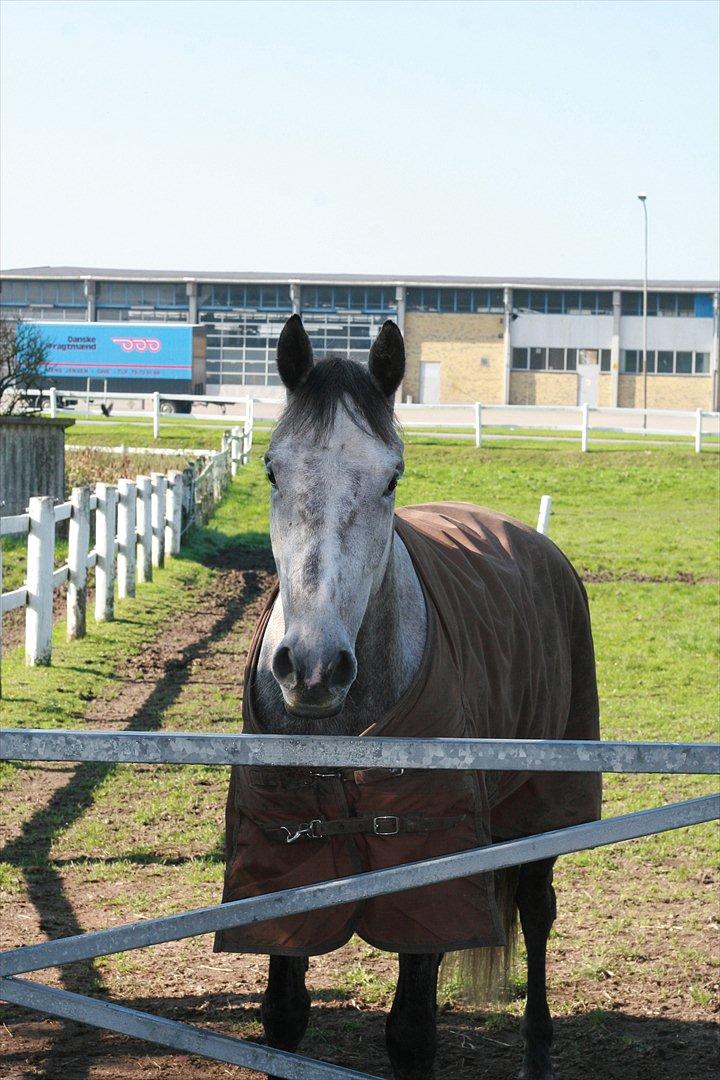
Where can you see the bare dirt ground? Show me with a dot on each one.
(95, 845)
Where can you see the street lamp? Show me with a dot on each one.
(642, 196)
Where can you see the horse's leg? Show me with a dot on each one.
(285, 1008)
(536, 903)
(410, 1030)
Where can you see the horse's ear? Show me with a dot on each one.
(387, 358)
(294, 353)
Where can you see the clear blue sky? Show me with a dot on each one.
(381, 137)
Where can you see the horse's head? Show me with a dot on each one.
(333, 464)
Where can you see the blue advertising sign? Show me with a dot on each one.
(117, 350)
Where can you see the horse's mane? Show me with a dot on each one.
(312, 407)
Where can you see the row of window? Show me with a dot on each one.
(242, 351)
(666, 362)
(660, 362)
(563, 301)
(455, 300)
(698, 305)
(541, 358)
(373, 299)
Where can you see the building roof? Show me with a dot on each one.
(44, 273)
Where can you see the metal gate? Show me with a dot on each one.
(341, 751)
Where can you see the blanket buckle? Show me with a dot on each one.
(312, 829)
(386, 825)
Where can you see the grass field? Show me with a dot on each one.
(632, 939)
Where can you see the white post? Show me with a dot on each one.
(235, 451)
(585, 409)
(40, 551)
(698, 431)
(143, 485)
(156, 414)
(159, 485)
(217, 485)
(105, 523)
(248, 429)
(543, 522)
(478, 424)
(53, 403)
(78, 544)
(126, 528)
(173, 512)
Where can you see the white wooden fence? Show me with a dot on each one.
(121, 532)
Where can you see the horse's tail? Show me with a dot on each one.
(483, 975)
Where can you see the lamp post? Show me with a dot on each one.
(642, 196)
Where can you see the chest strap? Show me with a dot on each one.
(373, 824)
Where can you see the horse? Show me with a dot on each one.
(443, 619)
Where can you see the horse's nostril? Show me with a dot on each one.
(344, 669)
(282, 664)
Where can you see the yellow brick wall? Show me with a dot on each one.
(605, 390)
(543, 388)
(469, 349)
(665, 391)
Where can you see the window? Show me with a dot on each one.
(538, 301)
(465, 299)
(604, 359)
(631, 303)
(572, 303)
(521, 299)
(702, 363)
(571, 359)
(520, 359)
(588, 356)
(588, 303)
(555, 302)
(538, 359)
(685, 304)
(664, 362)
(604, 303)
(667, 303)
(683, 363)
(629, 361)
(556, 359)
(496, 300)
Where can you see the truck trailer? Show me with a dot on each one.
(122, 356)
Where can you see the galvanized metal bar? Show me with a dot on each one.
(171, 1033)
(325, 894)
(525, 755)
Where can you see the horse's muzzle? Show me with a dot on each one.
(313, 685)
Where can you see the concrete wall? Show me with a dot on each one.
(32, 460)
(665, 391)
(563, 331)
(469, 349)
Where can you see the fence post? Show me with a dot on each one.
(156, 414)
(235, 451)
(248, 429)
(105, 523)
(78, 544)
(53, 403)
(478, 424)
(143, 485)
(585, 409)
(173, 512)
(126, 530)
(40, 552)
(216, 476)
(543, 522)
(698, 431)
(159, 485)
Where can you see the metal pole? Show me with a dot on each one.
(643, 199)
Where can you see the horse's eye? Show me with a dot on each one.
(270, 475)
(391, 486)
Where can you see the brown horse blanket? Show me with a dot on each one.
(509, 654)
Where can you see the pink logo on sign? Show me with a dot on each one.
(137, 344)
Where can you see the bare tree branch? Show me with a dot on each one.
(23, 364)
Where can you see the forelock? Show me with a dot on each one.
(312, 408)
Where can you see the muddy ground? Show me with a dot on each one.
(632, 1021)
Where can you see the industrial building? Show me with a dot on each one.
(507, 341)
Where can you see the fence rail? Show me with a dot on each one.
(344, 751)
(121, 532)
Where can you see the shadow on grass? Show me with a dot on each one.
(31, 851)
(618, 1046)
